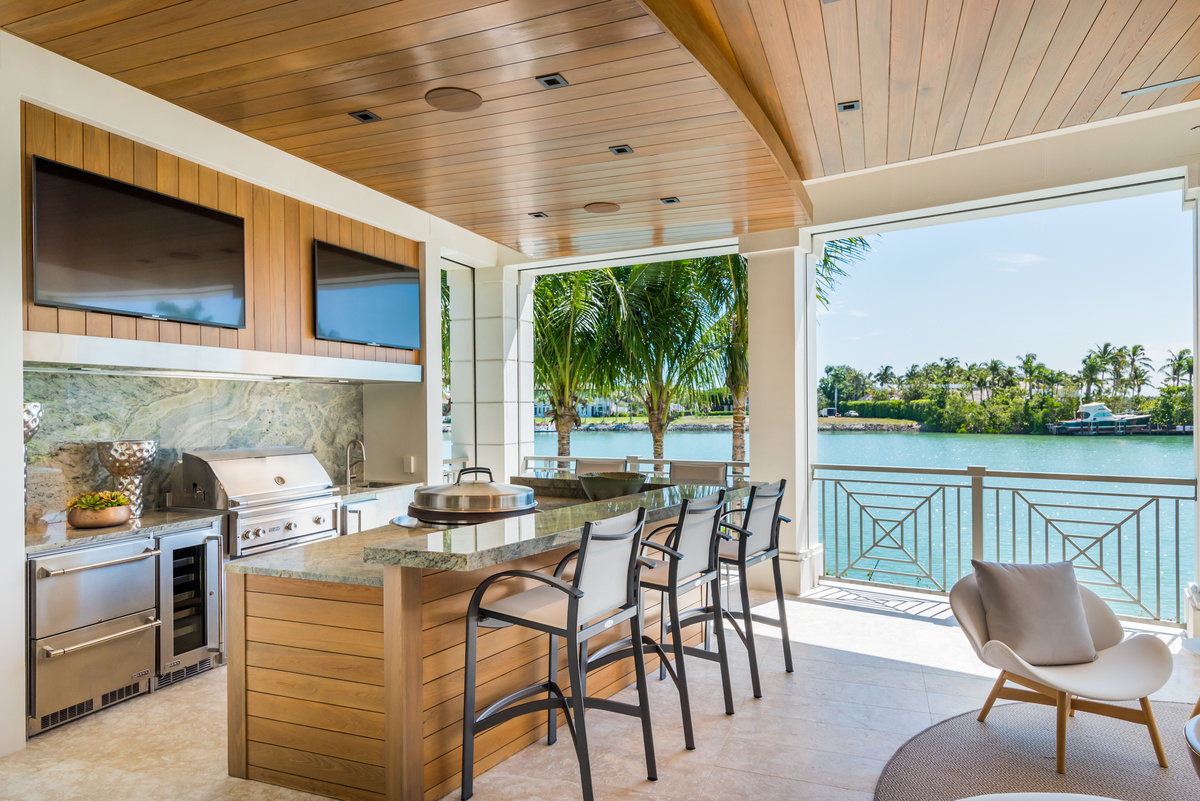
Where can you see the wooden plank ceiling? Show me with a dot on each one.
(290, 73)
(728, 125)
(934, 76)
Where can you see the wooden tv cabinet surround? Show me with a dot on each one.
(346, 656)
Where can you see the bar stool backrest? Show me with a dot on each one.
(761, 518)
(607, 570)
(696, 535)
(698, 473)
(599, 466)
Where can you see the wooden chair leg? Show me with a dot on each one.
(1195, 710)
(1063, 710)
(991, 699)
(1071, 706)
(1153, 727)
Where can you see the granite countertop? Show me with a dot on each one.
(360, 558)
(489, 544)
(43, 537)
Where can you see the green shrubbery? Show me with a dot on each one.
(1005, 412)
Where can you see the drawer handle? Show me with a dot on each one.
(44, 573)
(53, 652)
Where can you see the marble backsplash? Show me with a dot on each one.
(182, 414)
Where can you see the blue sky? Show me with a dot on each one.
(1054, 282)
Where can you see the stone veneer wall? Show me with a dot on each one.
(182, 414)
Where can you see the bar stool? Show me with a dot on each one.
(758, 541)
(603, 593)
(691, 552)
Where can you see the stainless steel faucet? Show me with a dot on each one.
(349, 448)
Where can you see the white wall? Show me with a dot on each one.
(39, 76)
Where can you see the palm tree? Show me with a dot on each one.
(1029, 370)
(1139, 379)
(1104, 354)
(671, 337)
(995, 370)
(445, 332)
(1177, 366)
(886, 377)
(1119, 362)
(1093, 369)
(572, 343)
(837, 256)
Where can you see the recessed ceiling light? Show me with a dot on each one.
(852, 105)
(602, 208)
(551, 81)
(365, 116)
(1180, 82)
(620, 150)
(538, 214)
(449, 98)
(668, 200)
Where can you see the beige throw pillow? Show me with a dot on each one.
(1036, 611)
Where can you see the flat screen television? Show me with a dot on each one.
(365, 299)
(107, 246)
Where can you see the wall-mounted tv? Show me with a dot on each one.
(107, 246)
(365, 299)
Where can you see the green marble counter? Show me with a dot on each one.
(360, 558)
(43, 537)
(489, 544)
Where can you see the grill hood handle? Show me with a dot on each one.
(467, 470)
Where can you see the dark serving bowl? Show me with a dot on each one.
(602, 486)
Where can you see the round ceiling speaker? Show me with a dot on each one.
(602, 208)
(447, 98)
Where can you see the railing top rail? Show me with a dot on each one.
(950, 471)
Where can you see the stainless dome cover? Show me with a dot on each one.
(471, 501)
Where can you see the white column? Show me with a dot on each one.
(12, 545)
(783, 391)
(462, 363)
(525, 382)
(1191, 203)
(497, 431)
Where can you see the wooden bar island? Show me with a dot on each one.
(346, 656)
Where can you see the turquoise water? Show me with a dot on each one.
(1135, 551)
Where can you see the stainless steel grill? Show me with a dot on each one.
(273, 497)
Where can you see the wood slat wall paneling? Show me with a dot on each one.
(279, 232)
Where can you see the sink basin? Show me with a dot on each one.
(362, 485)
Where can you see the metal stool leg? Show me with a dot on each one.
(636, 629)
(722, 651)
(685, 704)
(468, 748)
(748, 622)
(576, 670)
(783, 624)
(552, 673)
(662, 631)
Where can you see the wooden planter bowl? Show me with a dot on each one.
(98, 518)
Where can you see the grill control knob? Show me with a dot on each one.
(258, 532)
(319, 520)
(246, 534)
(290, 526)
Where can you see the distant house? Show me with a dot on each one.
(599, 407)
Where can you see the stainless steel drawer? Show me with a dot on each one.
(90, 585)
(91, 668)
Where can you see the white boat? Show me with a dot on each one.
(1096, 418)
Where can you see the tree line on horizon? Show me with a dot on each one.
(665, 333)
(1024, 397)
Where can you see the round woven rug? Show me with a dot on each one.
(1013, 752)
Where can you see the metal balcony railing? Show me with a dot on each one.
(1131, 538)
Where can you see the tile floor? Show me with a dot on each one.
(872, 669)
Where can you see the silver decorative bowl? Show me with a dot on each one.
(32, 419)
(127, 460)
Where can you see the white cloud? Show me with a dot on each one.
(1018, 258)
